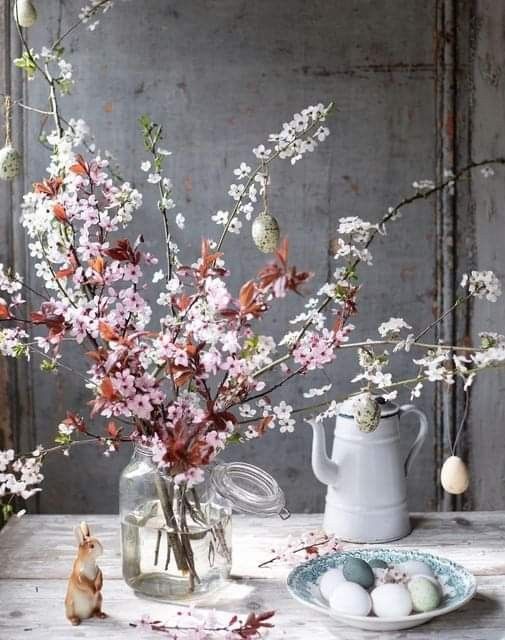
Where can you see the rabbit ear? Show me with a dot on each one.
(85, 530)
(78, 535)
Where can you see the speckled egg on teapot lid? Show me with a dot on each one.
(388, 408)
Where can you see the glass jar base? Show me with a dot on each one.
(155, 586)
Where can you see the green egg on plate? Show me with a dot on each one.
(425, 594)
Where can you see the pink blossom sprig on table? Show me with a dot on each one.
(194, 624)
(309, 545)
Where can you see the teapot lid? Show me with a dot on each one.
(249, 489)
(388, 408)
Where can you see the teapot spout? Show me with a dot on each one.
(324, 469)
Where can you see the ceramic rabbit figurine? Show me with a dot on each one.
(84, 598)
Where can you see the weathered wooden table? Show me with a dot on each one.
(36, 554)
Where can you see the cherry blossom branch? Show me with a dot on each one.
(89, 14)
(421, 345)
(271, 389)
(261, 168)
(392, 212)
(432, 325)
(394, 385)
(249, 629)
(306, 547)
(153, 141)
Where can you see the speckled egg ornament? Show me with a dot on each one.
(454, 476)
(367, 412)
(25, 13)
(11, 161)
(265, 232)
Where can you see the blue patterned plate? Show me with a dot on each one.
(458, 586)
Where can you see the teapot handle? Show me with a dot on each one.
(421, 436)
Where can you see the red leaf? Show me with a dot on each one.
(4, 311)
(49, 187)
(60, 212)
(183, 301)
(80, 167)
(76, 421)
(107, 389)
(65, 273)
(98, 264)
(123, 252)
(112, 429)
(107, 332)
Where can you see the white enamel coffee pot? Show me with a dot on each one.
(366, 476)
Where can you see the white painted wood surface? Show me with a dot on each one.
(36, 554)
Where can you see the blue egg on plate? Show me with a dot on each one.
(377, 563)
(358, 571)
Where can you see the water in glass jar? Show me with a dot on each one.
(170, 563)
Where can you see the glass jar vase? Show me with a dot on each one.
(175, 539)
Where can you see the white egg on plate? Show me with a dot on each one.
(391, 601)
(351, 599)
(330, 580)
(415, 568)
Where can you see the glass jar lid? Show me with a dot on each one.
(249, 489)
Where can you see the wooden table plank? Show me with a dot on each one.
(44, 546)
(36, 554)
(34, 609)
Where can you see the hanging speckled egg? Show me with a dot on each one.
(10, 163)
(265, 232)
(25, 13)
(367, 412)
(454, 475)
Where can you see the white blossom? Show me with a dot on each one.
(423, 185)
(180, 220)
(482, 284)
(261, 152)
(221, 217)
(393, 327)
(242, 171)
(312, 393)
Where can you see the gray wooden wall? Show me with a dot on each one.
(419, 88)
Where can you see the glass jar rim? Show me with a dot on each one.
(249, 489)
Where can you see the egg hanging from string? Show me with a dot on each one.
(367, 412)
(265, 232)
(11, 161)
(454, 476)
(25, 13)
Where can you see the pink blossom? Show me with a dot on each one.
(211, 360)
(141, 406)
(315, 350)
(217, 295)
